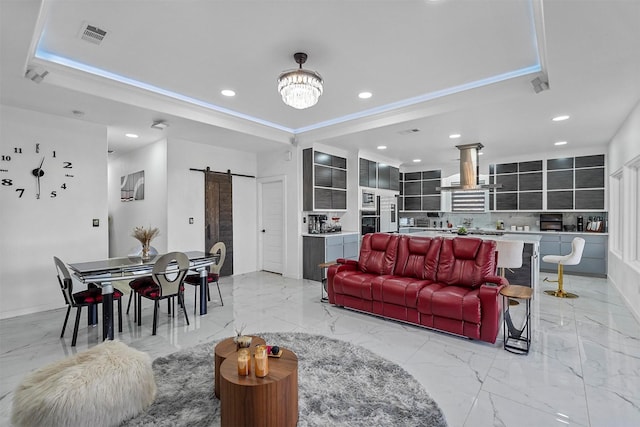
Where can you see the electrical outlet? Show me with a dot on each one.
(190, 220)
(538, 223)
(96, 222)
(304, 219)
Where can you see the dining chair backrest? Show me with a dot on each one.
(218, 247)
(170, 279)
(64, 278)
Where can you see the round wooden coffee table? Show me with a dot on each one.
(253, 401)
(224, 349)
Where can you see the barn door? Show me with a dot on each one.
(218, 216)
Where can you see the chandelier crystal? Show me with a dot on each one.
(300, 88)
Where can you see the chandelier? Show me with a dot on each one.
(300, 88)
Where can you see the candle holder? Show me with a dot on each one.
(244, 362)
(262, 361)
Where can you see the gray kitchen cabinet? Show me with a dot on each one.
(384, 176)
(368, 173)
(579, 181)
(521, 186)
(394, 178)
(425, 184)
(594, 256)
(324, 248)
(378, 175)
(324, 181)
(572, 183)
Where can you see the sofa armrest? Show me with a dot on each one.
(349, 265)
(496, 281)
(347, 261)
(491, 303)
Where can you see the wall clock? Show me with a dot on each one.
(35, 171)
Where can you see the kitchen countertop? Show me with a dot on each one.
(339, 233)
(509, 231)
(530, 238)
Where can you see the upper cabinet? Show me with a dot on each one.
(522, 187)
(576, 183)
(418, 191)
(324, 181)
(379, 175)
(570, 183)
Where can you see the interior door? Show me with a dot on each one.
(272, 220)
(218, 216)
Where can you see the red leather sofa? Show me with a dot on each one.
(442, 283)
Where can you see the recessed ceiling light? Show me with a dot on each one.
(130, 135)
(382, 147)
(365, 95)
(228, 92)
(560, 118)
(455, 135)
(560, 143)
(416, 160)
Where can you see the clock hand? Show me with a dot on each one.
(38, 172)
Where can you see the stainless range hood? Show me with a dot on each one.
(469, 170)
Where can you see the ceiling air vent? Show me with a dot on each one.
(409, 131)
(92, 34)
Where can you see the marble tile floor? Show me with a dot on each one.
(583, 368)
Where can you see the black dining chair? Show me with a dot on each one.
(140, 282)
(220, 250)
(168, 276)
(90, 298)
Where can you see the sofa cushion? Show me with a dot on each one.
(378, 253)
(397, 290)
(466, 261)
(355, 284)
(418, 257)
(455, 302)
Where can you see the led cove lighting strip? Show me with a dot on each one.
(57, 59)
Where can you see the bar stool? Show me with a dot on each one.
(509, 256)
(577, 246)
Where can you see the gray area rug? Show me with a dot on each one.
(339, 384)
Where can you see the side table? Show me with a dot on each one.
(323, 288)
(250, 401)
(224, 349)
(516, 340)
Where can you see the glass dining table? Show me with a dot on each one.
(104, 272)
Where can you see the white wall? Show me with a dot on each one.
(33, 231)
(623, 272)
(149, 212)
(186, 199)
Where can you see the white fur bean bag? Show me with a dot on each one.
(102, 386)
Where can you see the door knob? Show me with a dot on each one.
(264, 231)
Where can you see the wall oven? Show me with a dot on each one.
(369, 224)
(370, 218)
